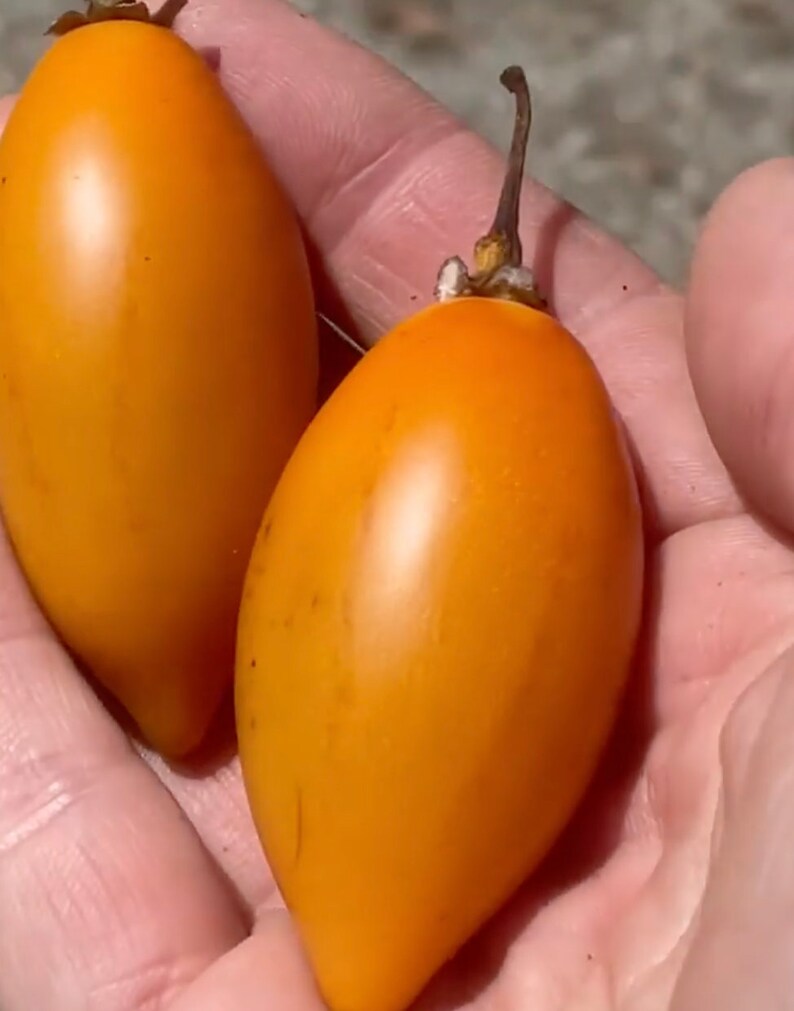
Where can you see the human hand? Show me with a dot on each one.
(128, 884)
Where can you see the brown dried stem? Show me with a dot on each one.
(499, 271)
(501, 247)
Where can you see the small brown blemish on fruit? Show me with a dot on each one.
(253, 663)
(252, 723)
(315, 601)
(267, 528)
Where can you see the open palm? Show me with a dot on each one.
(127, 884)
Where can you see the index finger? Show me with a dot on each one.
(378, 170)
(389, 184)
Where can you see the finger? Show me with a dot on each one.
(217, 806)
(389, 184)
(740, 951)
(387, 180)
(740, 321)
(103, 884)
(717, 592)
(267, 971)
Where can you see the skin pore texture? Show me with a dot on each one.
(141, 886)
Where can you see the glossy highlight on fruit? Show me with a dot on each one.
(158, 361)
(437, 627)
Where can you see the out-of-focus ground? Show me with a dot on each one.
(644, 109)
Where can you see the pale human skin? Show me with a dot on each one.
(126, 886)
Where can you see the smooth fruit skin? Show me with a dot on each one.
(158, 362)
(438, 622)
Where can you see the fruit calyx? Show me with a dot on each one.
(499, 271)
(116, 10)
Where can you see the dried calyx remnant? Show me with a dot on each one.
(116, 10)
(499, 271)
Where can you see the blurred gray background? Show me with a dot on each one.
(645, 109)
